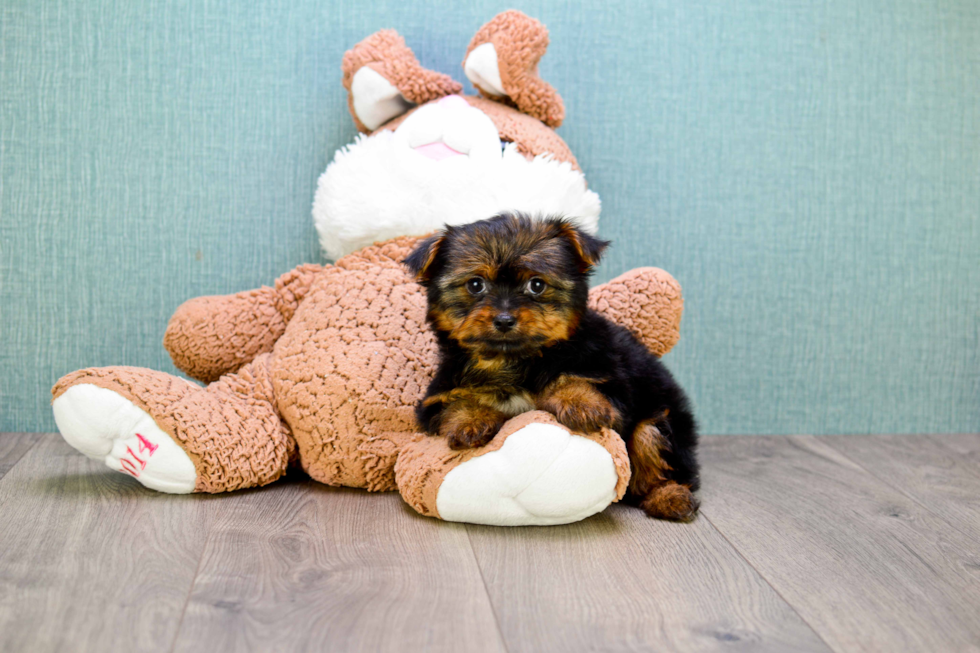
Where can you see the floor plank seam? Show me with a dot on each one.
(904, 493)
(792, 607)
(486, 591)
(190, 591)
(37, 438)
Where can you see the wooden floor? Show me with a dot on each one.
(803, 544)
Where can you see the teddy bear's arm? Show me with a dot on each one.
(647, 301)
(211, 336)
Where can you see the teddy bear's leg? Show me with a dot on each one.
(534, 472)
(211, 336)
(502, 62)
(384, 79)
(175, 436)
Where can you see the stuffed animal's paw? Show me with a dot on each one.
(106, 426)
(535, 471)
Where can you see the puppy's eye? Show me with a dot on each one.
(536, 286)
(476, 285)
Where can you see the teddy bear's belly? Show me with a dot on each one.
(348, 371)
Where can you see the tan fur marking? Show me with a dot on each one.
(671, 500)
(466, 423)
(550, 324)
(443, 321)
(486, 270)
(489, 396)
(476, 325)
(577, 404)
(494, 365)
(659, 497)
(649, 468)
(498, 374)
(430, 257)
(573, 236)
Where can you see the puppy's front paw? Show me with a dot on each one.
(577, 404)
(466, 429)
(585, 417)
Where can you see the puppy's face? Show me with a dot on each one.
(507, 286)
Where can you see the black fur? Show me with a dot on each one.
(637, 383)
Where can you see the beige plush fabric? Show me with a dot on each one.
(648, 302)
(231, 429)
(342, 379)
(351, 365)
(215, 335)
(520, 41)
(385, 53)
(424, 463)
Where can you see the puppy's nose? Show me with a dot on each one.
(504, 322)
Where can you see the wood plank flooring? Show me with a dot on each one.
(803, 544)
(13, 446)
(91, 561)
(302, 566)
(865, 566)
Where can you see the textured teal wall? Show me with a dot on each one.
(810, 172)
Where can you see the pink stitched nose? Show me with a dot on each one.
(453, 100)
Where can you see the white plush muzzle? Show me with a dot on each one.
(444, 165)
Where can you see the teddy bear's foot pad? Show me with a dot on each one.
(542, 475)
(106, 426)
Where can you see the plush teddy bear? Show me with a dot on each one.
(324, 368)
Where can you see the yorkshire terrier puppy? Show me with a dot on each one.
(507, 299)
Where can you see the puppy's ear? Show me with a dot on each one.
(421, 262)
(588, 249)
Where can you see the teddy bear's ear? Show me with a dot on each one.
(384, 80)
(502, 63)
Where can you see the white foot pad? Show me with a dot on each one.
(106, 426)
(542, 475)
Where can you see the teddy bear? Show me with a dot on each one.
(323, 369)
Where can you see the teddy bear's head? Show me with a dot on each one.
(429, 156)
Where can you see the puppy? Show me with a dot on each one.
(507, 299)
